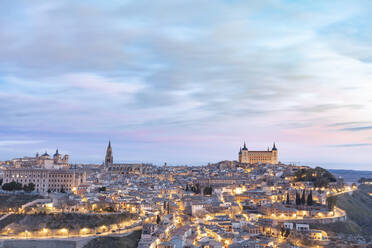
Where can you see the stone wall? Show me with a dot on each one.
(32, 243)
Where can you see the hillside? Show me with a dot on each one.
(358, 207)
(34, 222)
(15, 200)
(351, 176)
(319, 176)
(130, 241)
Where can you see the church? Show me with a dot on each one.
(254, 157)
(123, 168)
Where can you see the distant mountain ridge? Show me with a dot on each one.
(351, 176)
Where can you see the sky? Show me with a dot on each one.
(187, 82)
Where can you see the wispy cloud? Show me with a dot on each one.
(19, 142)
(337, 124)
(357, 129)
(78, 74)
(351, 145)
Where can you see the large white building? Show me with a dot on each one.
(43, 161)
(254, 157)
(54, 180)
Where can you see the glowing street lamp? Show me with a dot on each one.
(84, 231)
(44, 231)
(27, 234)
(63, 231)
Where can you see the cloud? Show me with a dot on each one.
(5, 143)
(327, 107)
(357, 129)
(99, 84)
(352, 145)
(72, 72)
(337, 124)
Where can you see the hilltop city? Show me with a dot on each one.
(255, 201)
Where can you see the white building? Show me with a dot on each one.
(46, 179)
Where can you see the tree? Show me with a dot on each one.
(12, 186)
(109, 209)
(310, 201)
(197, 191)
(29, 187)
(303, 198)
(287, 201)
(63, 190)
(331, 202)
(49, 191)
(319, 176)
(364, 180)
(100, 189)
(157, 219)
(195, 188)
(287, 232)
(208, 190)
(298, 200)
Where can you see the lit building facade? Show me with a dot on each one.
(43, 161)
(254, 157)
(46, 179)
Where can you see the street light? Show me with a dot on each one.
(63, 231)
(44, 231)
(84, 231)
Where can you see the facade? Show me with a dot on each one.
(46, 179)
(254, 157)
(129, 168)
(42, 161)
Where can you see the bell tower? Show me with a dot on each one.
(109, 159)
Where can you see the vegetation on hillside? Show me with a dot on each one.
(71, 221)
(130, 241)
(15, 201)
(365, 180)
(358, 207)
(319, 176)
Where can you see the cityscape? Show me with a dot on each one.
(186, 124)
(253, 201)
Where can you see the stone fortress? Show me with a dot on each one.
(255, 157)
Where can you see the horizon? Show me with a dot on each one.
(187, 82)
(197, 163)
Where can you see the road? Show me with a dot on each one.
(136, 226)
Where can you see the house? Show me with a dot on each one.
(302, 227)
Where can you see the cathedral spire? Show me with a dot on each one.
(109, 158)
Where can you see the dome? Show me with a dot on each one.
(45, 154)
